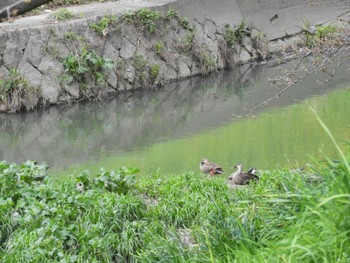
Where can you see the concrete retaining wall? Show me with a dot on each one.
(277, 18)
(37, 48)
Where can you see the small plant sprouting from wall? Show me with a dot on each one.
(145, 18)
(102, 26)
(171, 13)
(71, 36)
(154, 72)
(16, 93)
(317, 34)
(259, 43)
(87, 66)
(206, 60)
(242, 31)
(184, 23)
(158, 47)
(207, 63)
(185, 45)
(236, 34)
(141, 69)
(145, 74)
(51, 51)
(230, 36)
(62, 14)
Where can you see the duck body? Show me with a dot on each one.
(240, 178)
(210, 168)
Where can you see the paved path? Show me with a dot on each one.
(86, 11)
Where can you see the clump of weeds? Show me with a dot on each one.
(319, 35)
(144, 18)
(87, 66)
(62, 14)
(101, 27)
(16, 93)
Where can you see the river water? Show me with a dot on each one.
(173, 128)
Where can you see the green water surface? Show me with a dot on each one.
(279, 137)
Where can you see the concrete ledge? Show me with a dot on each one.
(277, 18)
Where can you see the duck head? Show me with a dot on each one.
(238, 166)
(204, 161)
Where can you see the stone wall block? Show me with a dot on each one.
(45, 33)
(237, 48)
(183, 69)
(181, 33)
(14, 48)
(34, 51)
(168, 73)
(223, 52)
(110, 51)
(212, 47)
(129, 73)
(122, 86)
(248, 44)
(57, 49)
(51, 67)
(115, 38)
(144, 49)
(195, 68)
(172, 42)
(170, 59)
(58, 30)
(73, 89)
(20, 37)
(42, 33)
(3, 71)
(129, 32)
(127, 50)
(244, 56)
(50, 90)
(199, 32)
(220, 62)
(12, 55)
(3, 40)
(30, 73)
(95, 40)
(112, 80)
(78, 26)
(210, 29)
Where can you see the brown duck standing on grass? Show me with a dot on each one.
(240, 178)
(210, 168)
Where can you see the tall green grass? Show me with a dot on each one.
(115, 216)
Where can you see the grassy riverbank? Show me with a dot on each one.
(118, 217)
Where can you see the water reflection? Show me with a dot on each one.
(75, 134)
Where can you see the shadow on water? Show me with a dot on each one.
(73, 135)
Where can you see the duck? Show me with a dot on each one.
(210, 168)
(240, 178)
(309, 177)
(251, 171)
